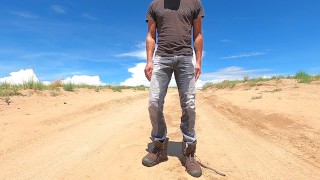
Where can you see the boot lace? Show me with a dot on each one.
(191, 160)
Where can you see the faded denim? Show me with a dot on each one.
(184, 72)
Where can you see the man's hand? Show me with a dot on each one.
(148, 71)
(198, 45)
(150, 47)
(198, 71)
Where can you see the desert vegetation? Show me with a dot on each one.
(55, 87)
(300, 76)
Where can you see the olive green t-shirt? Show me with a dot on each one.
(174, 21)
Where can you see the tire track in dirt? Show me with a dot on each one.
(243, 153)
(127, 152)
(303, 141)
(19, 156)
(107, 141)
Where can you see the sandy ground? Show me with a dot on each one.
(271, 131)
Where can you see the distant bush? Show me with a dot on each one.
(116, 88)
(249, 82)
(9, 90)
(278, 77)
(69, 87)
(140, 88)
(303, 77)
(254, 81)
(222, 85)
(245, 78)
(56, 84)
(227, 84)
(54, 92)
(207, 85)
(35, 85)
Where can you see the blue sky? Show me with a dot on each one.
(61, 39)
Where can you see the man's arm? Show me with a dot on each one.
(198, 44)
(150, 47)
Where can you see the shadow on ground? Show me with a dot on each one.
(174, 149)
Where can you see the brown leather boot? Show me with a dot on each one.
(192, 166)
(158, 154)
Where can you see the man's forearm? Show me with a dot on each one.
(198, 48)
(150, 46)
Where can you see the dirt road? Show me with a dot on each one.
(104, 136)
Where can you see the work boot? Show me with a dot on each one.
(158, 154)
(192, 166)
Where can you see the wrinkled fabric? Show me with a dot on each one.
(184, 72)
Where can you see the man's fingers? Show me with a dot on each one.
(198, 72)
(148, 73)
(197, 76)
(149, 76)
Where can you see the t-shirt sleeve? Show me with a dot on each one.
(199, 12)
(150, 14)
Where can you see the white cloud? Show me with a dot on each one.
(241, 55)
(46, 82)
(25, 15)
(140, 54)
(266, 76)
(138, 78)
(88, 16)
(26, 75)
(233, 73)
(58, 9)
(20, 77)
(84, 79)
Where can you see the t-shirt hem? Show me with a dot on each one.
(172, 55)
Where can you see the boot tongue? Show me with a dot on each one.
(190, 150)
(157, 144)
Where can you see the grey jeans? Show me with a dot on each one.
(184, 72)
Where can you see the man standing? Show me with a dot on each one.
(173, 22)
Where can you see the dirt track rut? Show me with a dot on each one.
(108, 139)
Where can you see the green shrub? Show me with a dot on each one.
(303, 77)
(226, 84)
(56, 83)
(207, 85)
(116, 88)
(277, 77)
(69, 87)
(245, 78)
(140, 88)
(28, 84)
(9, 90)
(39, 86)
(54, 92)
(35, 85)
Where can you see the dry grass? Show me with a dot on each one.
(55, 88)
(56, 84)
(301, 77)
